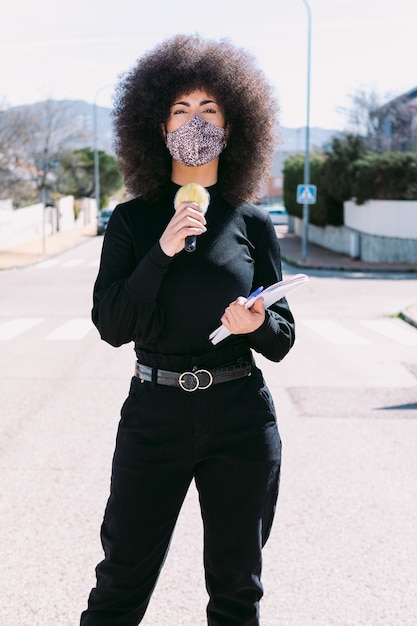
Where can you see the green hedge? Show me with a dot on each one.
(347, 171)
(387, 176)
(328, 209)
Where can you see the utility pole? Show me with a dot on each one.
(96, 159)
(306, 209)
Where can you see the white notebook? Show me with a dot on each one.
(271, 294)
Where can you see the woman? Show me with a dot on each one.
(197, 111)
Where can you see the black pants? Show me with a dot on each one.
(226, 439)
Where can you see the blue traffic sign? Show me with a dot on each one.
(306, 194)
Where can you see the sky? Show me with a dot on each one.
(78, 49)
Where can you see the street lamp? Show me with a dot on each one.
(96, 163)
(304, 253)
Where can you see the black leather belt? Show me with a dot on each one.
(197, 378)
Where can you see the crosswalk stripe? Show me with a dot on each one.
(335, 333)
(393, 329)
(13, 328)
(76, 328)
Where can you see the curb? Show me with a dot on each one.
(335, 267)
(19, 258)
(408, 315)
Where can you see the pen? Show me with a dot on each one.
(252, 297)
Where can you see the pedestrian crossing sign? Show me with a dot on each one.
(306, 194)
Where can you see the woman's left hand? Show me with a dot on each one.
(239, 320)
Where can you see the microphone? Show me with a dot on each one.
(192, 192)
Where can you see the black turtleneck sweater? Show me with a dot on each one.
(170, 305)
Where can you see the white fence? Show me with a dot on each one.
(379, 231)
(383, 230)
(37, 221)
(384, 218)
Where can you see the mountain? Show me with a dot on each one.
(71, 123)
(78, 129)
(293, 139)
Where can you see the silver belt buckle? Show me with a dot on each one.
(191, 381)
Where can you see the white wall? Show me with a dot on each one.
(65, 207)
(336, 238)
(379, 231)
(385, 231)
(22, 225)
(385, 218)
(34, 222)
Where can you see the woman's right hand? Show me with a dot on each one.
(188, 220)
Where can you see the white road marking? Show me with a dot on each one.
(13, 328)
(76, 328)
(393, 329)
(336, 333)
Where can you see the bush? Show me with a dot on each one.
(337, 172)
(387, 176)
(347, 171)
(327, 210)
(293, 175)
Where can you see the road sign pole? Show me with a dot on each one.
(304, 247)
(304, 251)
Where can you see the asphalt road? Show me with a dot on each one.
(343, 548)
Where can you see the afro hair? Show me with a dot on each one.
(177, 66)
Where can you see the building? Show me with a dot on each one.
(397, 122)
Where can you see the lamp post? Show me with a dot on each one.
(304, 253)
(96, 161)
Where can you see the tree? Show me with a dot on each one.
(54, 128)
(32, 140)
(75, 174)
(327, 209)
(334, 172)
(337, 172)
(73, 177)
(387, 176)
(40, 155)
(363, 119)
(15, 180)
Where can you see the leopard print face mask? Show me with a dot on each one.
(196, 143)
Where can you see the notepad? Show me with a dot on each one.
(271, 294)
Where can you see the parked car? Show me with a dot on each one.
(277, 212)
(102, 220)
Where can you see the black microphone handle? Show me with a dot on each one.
(190, 243)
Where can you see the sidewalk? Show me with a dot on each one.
(291, 250)
(322, 258)
(40, 249)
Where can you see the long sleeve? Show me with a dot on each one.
(276, 336)
(125, 306)
(170, 305)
